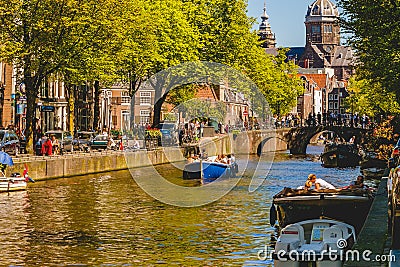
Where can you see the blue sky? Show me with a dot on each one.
(286, 18)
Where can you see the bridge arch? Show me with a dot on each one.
(278, 141)
(299, 138)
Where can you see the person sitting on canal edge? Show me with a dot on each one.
(318, 183)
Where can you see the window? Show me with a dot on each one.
(335, 105)
(327, 28)
(145, 98)
(330, 105)
(315, 29)
(144, 116)
(336, 97)
(330, 97)
(126, 99)
(125, 115)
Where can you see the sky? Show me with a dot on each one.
(286, 18)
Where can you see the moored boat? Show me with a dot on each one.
(347, 205)
(319, 241)
(374, 173)
(8, 184)
(340, 155)
(371, 160)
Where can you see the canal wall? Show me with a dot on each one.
(374, 234)
(50, 167)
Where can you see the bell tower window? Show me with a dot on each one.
(328, 29)
(315, 29)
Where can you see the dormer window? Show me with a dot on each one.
(315, 10)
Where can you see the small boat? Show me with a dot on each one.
(374, 173)
(209, 171)
(16, 182)
(340, 155)
(319, 242)
(371, 160)
(347, 205)
(8, 184)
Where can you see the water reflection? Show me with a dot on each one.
(108, 219)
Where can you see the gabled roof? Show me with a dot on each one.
(205, 92)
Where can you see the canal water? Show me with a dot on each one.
(108, 220)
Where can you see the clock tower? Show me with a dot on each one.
(322, 34)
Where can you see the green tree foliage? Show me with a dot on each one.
(374, 29)
(43, 37)
(370, 98)
(102, 42)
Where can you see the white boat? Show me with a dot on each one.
(318, 241)
(8, 184)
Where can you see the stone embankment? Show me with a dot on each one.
(75, 164)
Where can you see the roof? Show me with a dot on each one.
(343, 57)
(322, 8)
(295, 53)
(319, 79)
(205, 92)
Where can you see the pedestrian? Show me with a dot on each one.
(47, 148)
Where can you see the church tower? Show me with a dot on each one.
(266, 35)
(322, 28)
(322, 35)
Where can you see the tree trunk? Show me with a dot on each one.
(32, 85)
(71, 107)
(30, 113)
(157, 110)
(132, 92)
(96, 103)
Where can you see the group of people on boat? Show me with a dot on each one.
(318, 184)
(220, 158)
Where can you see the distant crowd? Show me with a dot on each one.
(331, 119)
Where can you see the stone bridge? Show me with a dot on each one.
(298, 138)
(294, 139)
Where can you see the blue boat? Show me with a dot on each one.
(209, 171)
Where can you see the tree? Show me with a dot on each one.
(43, 37)
(375, 39)
(178, 42)
(137, 46)
(370, 98)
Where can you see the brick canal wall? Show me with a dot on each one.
(42, 168)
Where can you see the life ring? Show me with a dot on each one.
(272, 215)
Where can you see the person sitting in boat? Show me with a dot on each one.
(220, 158)
(318, 183)
(359, 183)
